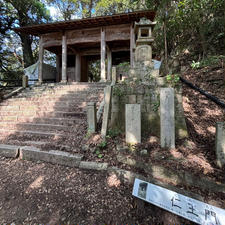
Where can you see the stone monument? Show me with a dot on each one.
(143, 87)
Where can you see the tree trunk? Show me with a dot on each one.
(90, 8)
(203, 41)
(28, 57)
(165, 47)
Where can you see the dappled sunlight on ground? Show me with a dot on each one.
(201, 162)
(113, 181)
(35, 185)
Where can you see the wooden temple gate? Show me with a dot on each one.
(76, 41)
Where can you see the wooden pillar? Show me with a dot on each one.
(57, 68)
(64, 58)
(103, 51)
(41, 58)
(78, 67)
(109, 64)
(74, 75)
(132, 45)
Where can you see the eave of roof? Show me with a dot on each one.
(123, 18)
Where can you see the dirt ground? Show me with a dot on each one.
(43, 193)
(39, 193)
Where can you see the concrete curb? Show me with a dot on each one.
(15, 92)
(129, 177)
(174, 177)
(55, 157)
(9, 151)
(93, 165)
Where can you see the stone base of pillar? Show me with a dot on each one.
(38, 83)
(63, 81)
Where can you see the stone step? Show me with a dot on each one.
(43, 143)
(34, 113)
(39, 102)
(59, 121)
(64, 90)
(47, 120)
(55, 98)
(36, 126)
(5, 133)
(8, 110)
(81, 94)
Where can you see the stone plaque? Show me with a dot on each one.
(167, 121)
(133, 123)
(143, 53)
(181, 205)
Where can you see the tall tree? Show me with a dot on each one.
(70, 9)
(24, 13)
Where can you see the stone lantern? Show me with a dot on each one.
(143, 51)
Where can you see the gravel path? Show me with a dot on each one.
(43, 193)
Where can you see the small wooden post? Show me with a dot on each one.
(103, 53)
(109, 64)
(64, 58)
(78, 67)
(41, 57)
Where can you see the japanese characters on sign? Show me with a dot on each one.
(189, 208)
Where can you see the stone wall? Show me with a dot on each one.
(148, 96)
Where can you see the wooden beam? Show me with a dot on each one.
(103, 53)
(41, 58)
(64, 58)
(88, 35)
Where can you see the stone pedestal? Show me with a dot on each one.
(91, 117)
(133, 123)
(220, 144)
(167, 121)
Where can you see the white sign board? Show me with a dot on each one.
(189, 208)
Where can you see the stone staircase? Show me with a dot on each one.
(51, 116)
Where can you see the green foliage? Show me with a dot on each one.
(125, 66)
(88, 134)
(194, 25)
(13, 58)
(102, 144)
(94, 70)
(118, 91)
(156, 104)
(109, 7)
(112, 133)
(172, 79)
(195, 65)
(132, 147)
(209, 61)
(100, 148)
